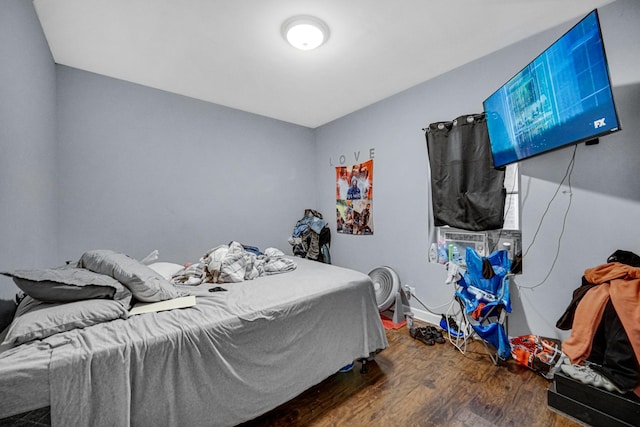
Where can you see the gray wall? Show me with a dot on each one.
(93, 162)
(104, 163)
(141, 169)
(606, 183)
(27, 143)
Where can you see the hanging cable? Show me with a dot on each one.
(567, 173)
(567, 177)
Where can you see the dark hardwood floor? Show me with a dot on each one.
(413, 384)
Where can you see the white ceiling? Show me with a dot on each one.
(231, 52)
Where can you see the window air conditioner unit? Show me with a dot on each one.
(462, 239)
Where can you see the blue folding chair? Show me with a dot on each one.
(483, 294)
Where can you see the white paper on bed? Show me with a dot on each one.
(169, 304)
(232, 357)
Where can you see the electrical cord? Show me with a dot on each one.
(567, 176)
(431, 310)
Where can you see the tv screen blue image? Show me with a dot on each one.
(562, 97)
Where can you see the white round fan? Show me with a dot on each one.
(386, 285)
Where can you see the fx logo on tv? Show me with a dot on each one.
(599, 123)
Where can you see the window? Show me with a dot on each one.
(485, 242)
(512, 202)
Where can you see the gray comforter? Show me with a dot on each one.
(232, 357)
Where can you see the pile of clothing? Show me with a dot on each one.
(234, 263)
(311, 237)
(604, 318)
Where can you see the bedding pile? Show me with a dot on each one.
(233, 263)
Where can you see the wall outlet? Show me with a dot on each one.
(408, 290)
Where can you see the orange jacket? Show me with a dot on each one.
(620, 283)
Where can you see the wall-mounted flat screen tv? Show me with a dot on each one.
(562, 97)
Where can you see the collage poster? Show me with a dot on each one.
(354, 198)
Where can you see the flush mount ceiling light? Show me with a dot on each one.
(305, 32)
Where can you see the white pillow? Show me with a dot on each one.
(166, 269)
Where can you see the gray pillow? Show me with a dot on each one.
(145, 284)
(37, 320)
(68, 284)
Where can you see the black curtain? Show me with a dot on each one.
(467, 192)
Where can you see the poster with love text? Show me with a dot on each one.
(354, 199)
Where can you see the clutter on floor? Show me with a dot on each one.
(429, 335)
(542, 355)
(586, 375)
(389, 324)
(604, 319)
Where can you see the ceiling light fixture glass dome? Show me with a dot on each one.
(305, 32)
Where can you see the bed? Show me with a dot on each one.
(233, 356)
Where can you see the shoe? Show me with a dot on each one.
(421, 335)
(586, 375)
(449, 324)
(436, 334)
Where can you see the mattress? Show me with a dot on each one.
(233, 356)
